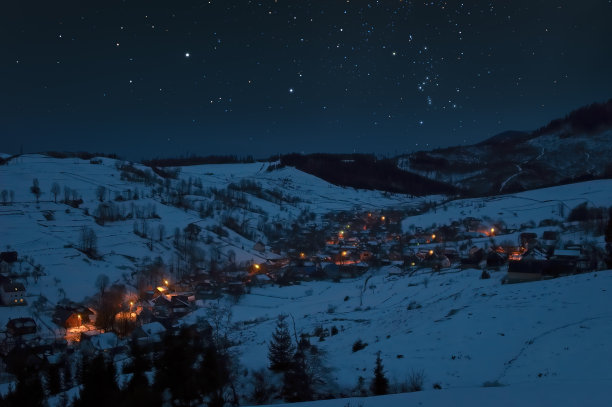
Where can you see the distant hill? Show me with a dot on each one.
(577, 147)
(365, 172)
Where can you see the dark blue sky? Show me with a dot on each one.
(159, 78)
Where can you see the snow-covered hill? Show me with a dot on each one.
(577, 147)
(459, 330)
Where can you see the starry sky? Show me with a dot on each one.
(154, 78)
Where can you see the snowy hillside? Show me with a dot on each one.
(576, 147)
(48, 232)
(459, 332)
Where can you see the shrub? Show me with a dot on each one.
(359, 345)
(494, 383)
(416, 380)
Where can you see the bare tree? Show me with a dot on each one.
(55, 190)
(66, 194)
(100, 192)
(102, 283)
(35, 189)
(88, 241)
(161, 230)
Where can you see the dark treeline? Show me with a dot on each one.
(198, 160)
(588, 119)
(187, 369)
(365, 172)
(79, 154)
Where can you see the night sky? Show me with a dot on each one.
(165, 78)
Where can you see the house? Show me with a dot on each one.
(261, 279)
(532, 265)
(150, 333)
(179, 306)
(496, 258)
(93, 342)
(72, 316)
(260, 247)
(20, 327)
(13, 294)
(528, 239)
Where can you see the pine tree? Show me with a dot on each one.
(297, 383)
(280, 350)
(380, 383)
(28, 392)
(99, 384)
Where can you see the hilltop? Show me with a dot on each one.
(574, 148)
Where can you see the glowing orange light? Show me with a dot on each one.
(433, 237)
(383, 218)
(344, 253)
(257, 266)
(430, 252)
(302, 255)
(166, 282)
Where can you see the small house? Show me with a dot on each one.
(20, 327)
(260, 247)
(13, 294)
(150, 333)
(72, 316)
(93, 342)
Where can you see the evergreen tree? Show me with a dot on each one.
(214, 375)
(28, 392)
(280, 350)
(138, 391)
(174, 368)
(297, 384)
(380, 383)
(54, 379)
(99, 384)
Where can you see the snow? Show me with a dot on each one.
(583, 394)
(546, 341)
(515, 209)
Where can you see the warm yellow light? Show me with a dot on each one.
(412, 264)
(433, 237)
(382, 218)
(344, 253)
(430, 252)
(166, 282)
(492, 230)
(257, 266)
(302, 255)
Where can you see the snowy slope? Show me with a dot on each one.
(467, 331)
(583, 394)
(71, 274)
(461, 331)
(515, 209)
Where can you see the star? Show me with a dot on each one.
(187, 54)
(291, 90)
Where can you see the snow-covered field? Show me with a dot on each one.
(546, 342)
(583, 394)
(461, 331)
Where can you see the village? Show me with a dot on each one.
(343, 245)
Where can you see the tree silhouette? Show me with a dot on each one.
(280, 350)
(380, 383)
